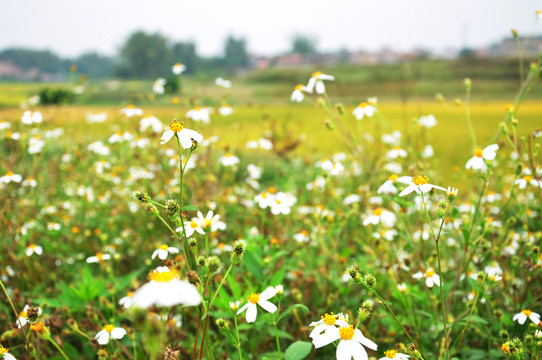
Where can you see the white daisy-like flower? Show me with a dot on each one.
(380, 215)
(131, 110)
(394, 355)
(522, 316)
(165, 289)
(427, 121)
(109, 331)
(302, 236)
(151, 122)
(265, 199)
(5, 355)
(191, 227)
(225, 110)
(199, 114)
(158, 87)
(431, 278)
(210, 221)
(259, 299)
(428, 152)
(388, 186)
(163, 251)
(33, 249)
(352, 199)
(127, 300)
(178, 68)
(395, 153)
(185, 135)
(96, 118)
(527, 179)
(10, 177)
(226, 84)
(282, 203)
(316, 82)
(420, 185)
(53, 226)
(30, 117)
(22, 319)
(98, 258)
(297, 94)
(477, 162)
(228, 160)
(364, 109)
(351, 345)
(325, 325)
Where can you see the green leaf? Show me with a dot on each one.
(277, 277)
(298, 350)
(295, 306)
(253, 265)
(189, 208)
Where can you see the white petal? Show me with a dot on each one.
(166, 136)
(349, 349)
(489, 153)
(320, 87)
(408, 190)
(102, 337)
(268, 306)
(268, 293)
(251, 312)
(118, 333)
(358, 336)
(243, 308)
(318, 330)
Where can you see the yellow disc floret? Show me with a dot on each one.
(317, 73)
(298, 87)
(377, 212)
(390, 353)
(528, 178)
(164, 247)
(393, 177)
(176, 126)
(479, 152)
(420, 180)
(254, 298)
(193, 224)
(527, 312)
(109, 328)
(347, 332)
(163, 276)
(3, 350)
(430, 273)
(329, 319)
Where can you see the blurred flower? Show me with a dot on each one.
(199, 114)
(178, 68)
(225, 110)
(163, 251)
(388, 186)
(185, 135)
(96, 118)
(297, 94)
(260, 299)
(477, 161)
(109, 331)
(30, 117)
(226, 84)
(98, 258)
(527, 179)
(427, 121)
(395, 153)
(430, 277)
(380, 215)
(165, 289)
(394, 354)
(10, 177)
(33, 249)
(522, 316)
(151, 122)
(419, 185)
(158, 87)
(364, 109)
(228, 160)
(127, 300)
(316, 82)
(302, 236)
(131, 110)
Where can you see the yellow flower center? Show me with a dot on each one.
(229, 155)
(363, 104)
(390, 353)
(37, 327)
(347, 332)
(505, 348)
(100, 256)
(176, 126)
(393, 177)
(377, 212)
(509, 107)
(193, 224)
(109, 328)
(163, 276)
(220, 246)
(317, 73)
(207, 223)
(254, 298)
(420, 180)
(489, 220)
(9, 174)
(130, 107)
(3, 350)
(264, 195)
(22, 314)
(430, 272)
(271, 189)
(304, 232)
(178, 64)
(164, 247)
(527, 312)
(528, 178)
(478, 153)
(197, 108)
(298, 87)
(32, 246)
(329, 319)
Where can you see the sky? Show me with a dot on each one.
(71, 27)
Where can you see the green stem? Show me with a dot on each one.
(277, 332)
(467, 116)
(58, 347)
(442, 305)
(16, 317)
(468, 320)
(237, 334)
(428, 217)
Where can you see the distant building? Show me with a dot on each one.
(8, 70)
(508, 47)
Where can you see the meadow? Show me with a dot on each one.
(331, 241)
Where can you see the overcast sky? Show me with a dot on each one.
(70, 27)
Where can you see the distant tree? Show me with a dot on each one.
(94, 65)
(43, 60)
(235, 53)
(467, 53)
(185, 53)
(145, 56)
(304, 44)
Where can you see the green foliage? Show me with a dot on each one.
(298, 350)
(145, 56)
(55, 96)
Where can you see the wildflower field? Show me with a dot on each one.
(179, 226)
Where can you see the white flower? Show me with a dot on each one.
(33, 249)
(226, 84)
(10, 177)
(282, 203)
(522, 316)
(30, 117)
(352, 199)
(109, 331)
(477, 161)
(178, 68)
(190, 227)
(527, 179)
(185, 135)
(225, 110)
(5, 355)
(364, 109)
(199, 114)
(427, 121)
(53, 226)
(158, 86)
(265, 144)
(316, 82)
(394, 354)
(265, 199)
(22, 320)
(380, 215)
(388, 188)
(210, 222)
(127, 300)
(297, 94)
(131, 110)
(351, 344)
(393, 139)
(163, 251)
(260, 299)
(228, 160)
(98, 258)
(430, 277)
(325, 326)
(151, 122)
(30, 181)
(395, 153)
(165, 289)
(419, 185)
(35, 144)
(427, 152)
(96, 118)
(120, 136)
(302, 236)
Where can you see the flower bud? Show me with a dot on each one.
(222, 324)
(172, 207)
(369, 281)
(193, 246)
(441, 210)
(354, 274)
(467, 82)
(193, 278)
(239, 248)
(214, 264)
(340, 108)
(201, 261)
(141, 196)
